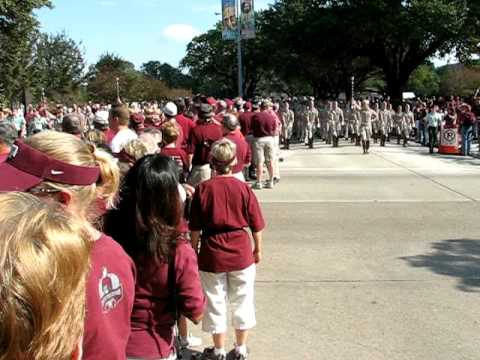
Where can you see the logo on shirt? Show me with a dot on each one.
(110, 290)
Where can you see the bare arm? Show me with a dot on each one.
(257, 252)
(195, 238)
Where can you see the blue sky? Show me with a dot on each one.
(137, 30)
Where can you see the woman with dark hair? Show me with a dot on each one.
(146, 223)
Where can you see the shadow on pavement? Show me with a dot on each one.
(458, 258)
(189, 354)
(458, 159)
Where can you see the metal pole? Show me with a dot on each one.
(118, 88)
(353, 88)
(239, 51)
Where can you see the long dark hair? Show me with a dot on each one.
(146, 220)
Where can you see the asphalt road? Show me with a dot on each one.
(370, 257)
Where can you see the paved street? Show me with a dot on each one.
(370, 257)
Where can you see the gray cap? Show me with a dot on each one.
(205, 111)
(230, 122)
(8, 133)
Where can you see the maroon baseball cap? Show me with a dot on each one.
(27, 167)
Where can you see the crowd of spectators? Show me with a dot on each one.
(128, 221)
(158, 201)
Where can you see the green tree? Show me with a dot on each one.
(395, 36)
(212, 63)
(58, 67)
(171, 76)
(102, 79)
(424, 81)
(134, 85)
(459, 79)
(314, 47)
(18, 26)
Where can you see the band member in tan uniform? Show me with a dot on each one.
(367, 115)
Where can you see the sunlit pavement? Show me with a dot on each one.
(370, 257)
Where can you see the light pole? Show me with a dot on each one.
(353, 87)
(118, 88)
(239, 50)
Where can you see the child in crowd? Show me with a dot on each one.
(170, 133)
(43, 265)
(168, 281)
(222, 208)
(62, 168)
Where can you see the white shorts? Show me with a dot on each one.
(238, 288)
(264, 149)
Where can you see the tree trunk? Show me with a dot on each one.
(396, 84)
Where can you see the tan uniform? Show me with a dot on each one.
(366, 118)
(288, 120)
(311, 123)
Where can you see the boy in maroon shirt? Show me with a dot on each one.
(202, 137)
(231, 130)
(184, 121)
(170, 133)
(264, 127)
(222, 208)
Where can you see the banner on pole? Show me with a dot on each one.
(229, 19)
(247, 19)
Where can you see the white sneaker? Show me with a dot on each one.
(269, 185)
(190, 341)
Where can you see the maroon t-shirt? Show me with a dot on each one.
(179, 155)
(222, 208)
(152, 322)
(245, 120)
(187, 125)
(110, 294)
(244, 154)
(202, 138)
(263, 124)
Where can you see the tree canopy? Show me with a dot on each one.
(58, 67)
(323, 43)
(18, 26)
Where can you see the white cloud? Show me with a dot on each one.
(180, 32)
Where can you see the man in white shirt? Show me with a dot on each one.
(119, 119)
(434, 120)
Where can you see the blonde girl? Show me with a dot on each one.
(61, 168)
(43, 265)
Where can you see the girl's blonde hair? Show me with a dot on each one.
(43, 265)
(72, 150)
(223, 154)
